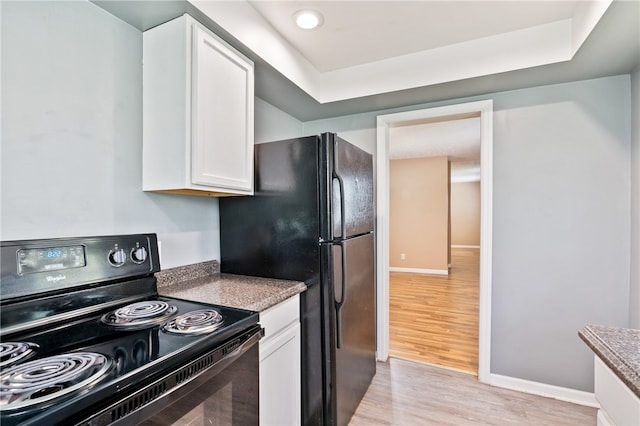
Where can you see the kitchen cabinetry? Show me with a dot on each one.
(616, 368)
(280, 364)
(618, 405)
(197, 112)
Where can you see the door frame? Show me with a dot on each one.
(483, 109)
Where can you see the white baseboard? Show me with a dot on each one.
(421, 271)
(602, 419)
(550, 391)
(463, 246)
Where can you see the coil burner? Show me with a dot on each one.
(42, 380)
(13, 352)
(140, 315)
(195, 322)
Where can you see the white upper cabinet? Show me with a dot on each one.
(197, 113)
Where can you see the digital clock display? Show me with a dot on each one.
(54, 254)
(50, 259)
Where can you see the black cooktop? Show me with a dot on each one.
(126, 346)
(132, 355)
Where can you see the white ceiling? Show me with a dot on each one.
(374, 54)
(457, 139)
(380, 46)
(359, 32)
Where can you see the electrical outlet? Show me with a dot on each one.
(402, 256)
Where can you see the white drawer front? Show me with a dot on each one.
(278, 317)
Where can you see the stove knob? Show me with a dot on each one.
(117, 257)
(138, 255)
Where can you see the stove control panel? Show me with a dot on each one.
(54, 264)
(32, 260)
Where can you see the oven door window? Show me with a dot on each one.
(229, 398)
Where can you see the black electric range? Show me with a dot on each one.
(86, 339)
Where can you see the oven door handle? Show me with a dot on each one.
(141, 404)
(237, 347)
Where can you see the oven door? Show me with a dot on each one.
(218, 388)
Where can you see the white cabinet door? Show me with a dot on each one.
(198, 101)
(280, 400)
(280, 379)
(618, 404)
(222, 138)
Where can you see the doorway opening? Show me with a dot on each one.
(384, 123)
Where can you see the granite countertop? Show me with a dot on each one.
(202, 283)
(619, 349)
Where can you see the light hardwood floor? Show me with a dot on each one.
(434, 318)
(407, 393)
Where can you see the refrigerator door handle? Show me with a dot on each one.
(342, 291)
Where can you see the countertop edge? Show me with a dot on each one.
(274, 300)
(612, 359)
(237, 291)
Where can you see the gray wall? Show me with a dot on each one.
(357, 129)
(561, 226)
(272, 124)
(72, 134)
(634, 293)
(561, 222)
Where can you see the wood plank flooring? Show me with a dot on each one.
(409, 393)
(434, 318)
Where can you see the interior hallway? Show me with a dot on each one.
(434, 318)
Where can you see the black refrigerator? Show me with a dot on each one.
(311, 219)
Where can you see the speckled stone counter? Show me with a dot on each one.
(619, 349)
(202, 283)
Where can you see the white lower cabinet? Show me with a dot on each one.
(618, 404)
(280, 364)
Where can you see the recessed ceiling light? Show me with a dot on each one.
(308, 19)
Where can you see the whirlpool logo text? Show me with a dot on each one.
(56, 278)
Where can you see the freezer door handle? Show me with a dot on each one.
(339, 289)
(338, 202)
